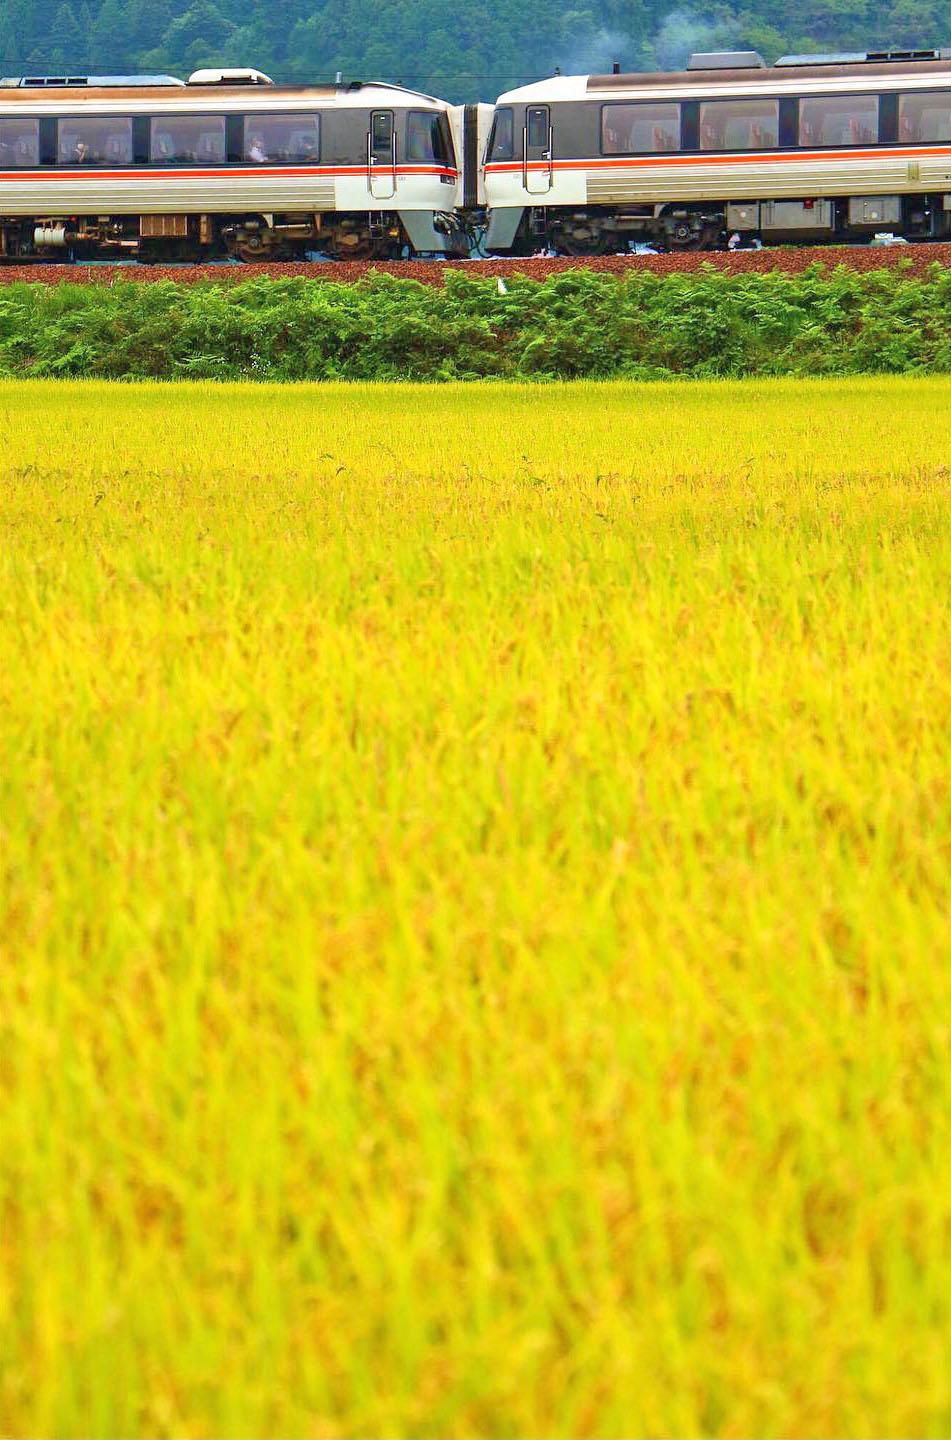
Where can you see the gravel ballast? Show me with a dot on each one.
(913, 259)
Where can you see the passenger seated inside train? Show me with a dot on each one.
(256, 150)
(96, 141)
(211, 147)
(182, 142)
(19, 143)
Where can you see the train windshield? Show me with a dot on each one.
(427, 140)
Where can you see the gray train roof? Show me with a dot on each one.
(94, 82)
(823, 75)
(221, 81)
(143, 99)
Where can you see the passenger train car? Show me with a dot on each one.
(814, 148)
(227, 164)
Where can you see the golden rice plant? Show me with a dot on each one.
(475, 910)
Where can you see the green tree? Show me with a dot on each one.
(470, 51)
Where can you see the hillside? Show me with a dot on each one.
(462, 52)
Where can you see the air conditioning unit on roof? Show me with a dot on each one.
(229, 77)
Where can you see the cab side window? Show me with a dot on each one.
(422, 136)
(502, 143)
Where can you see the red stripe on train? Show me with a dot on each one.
(751, 157)
(318, 173)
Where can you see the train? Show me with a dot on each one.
(227, 164)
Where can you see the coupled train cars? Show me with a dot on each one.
(815, 148)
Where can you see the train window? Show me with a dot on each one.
(645, 129)
(19, 142)
(537, 129)
(188, 140)
(425, 139)
(95, 141)
(924, 117)
(381, 135)
(739, 124)
(502, 139)
(838, 120)
(281, 139)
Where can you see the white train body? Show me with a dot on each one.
(249, 167)
(846, 146)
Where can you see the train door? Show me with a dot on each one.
(537, 151)
(381, 155)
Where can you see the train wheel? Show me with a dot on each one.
(253, 252)
(683, 236)
(365, 247)
(575, 245)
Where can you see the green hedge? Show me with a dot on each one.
(576, 324)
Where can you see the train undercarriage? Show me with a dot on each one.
(600, 230)
(168, 238)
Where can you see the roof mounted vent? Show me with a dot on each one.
(100, 82)
(229, 77)
(863, 57)
(874, 55)
(727, 60)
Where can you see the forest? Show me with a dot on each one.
(462, 52)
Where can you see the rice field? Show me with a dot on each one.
(476, 910)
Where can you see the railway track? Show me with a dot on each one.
(914, 259)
